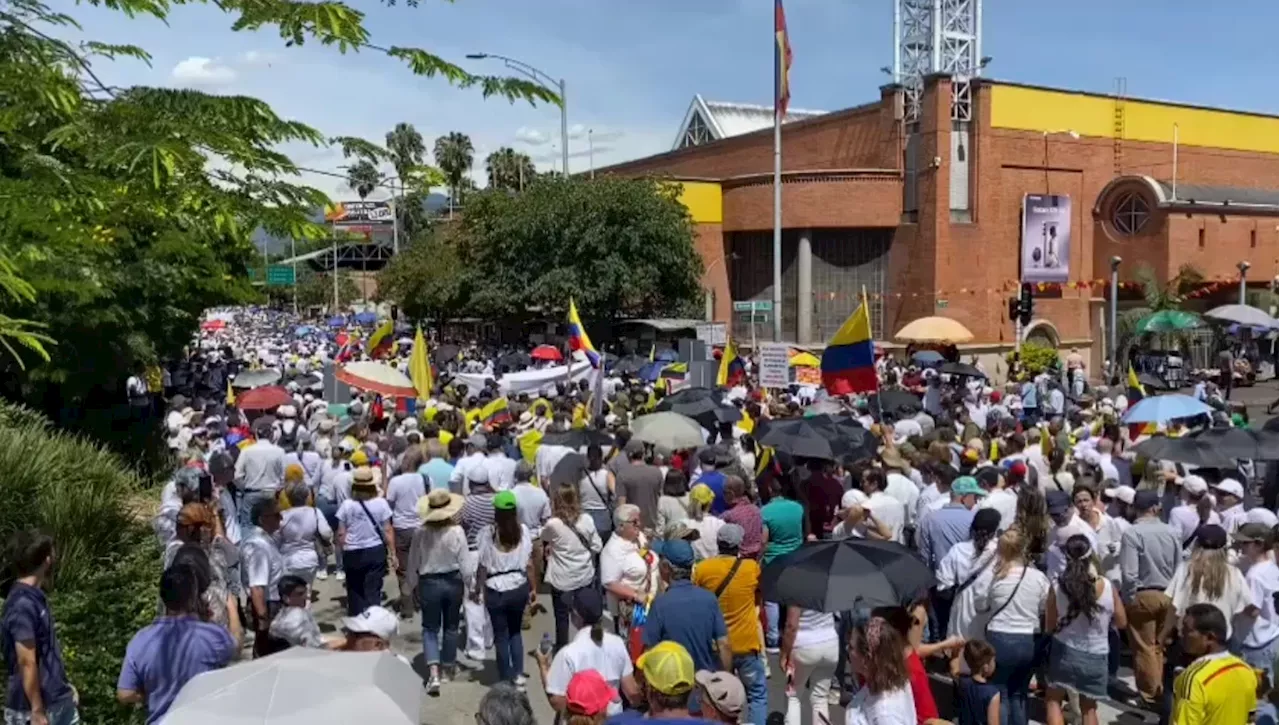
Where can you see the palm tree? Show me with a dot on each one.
(454, 155)
(406, 150)
(509, 170)
(363, 178)
(1157, 297)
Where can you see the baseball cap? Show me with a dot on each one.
(478, 474)
(730, 535)
(1124, 493)
(1146, 500)
(634, 446)
(360, 458)
(588, 693)
(478, 440)
(1058, 501)
(677, 551)
(504, 501)
(1211, 536)
(588, 603)
(853, 497)
(1231, 486)
(1261, 515)
(667, 668)
(378, 621)
(1194, 484)
(1252, 533)
(967, 486)
(703, 494)
(724, 691)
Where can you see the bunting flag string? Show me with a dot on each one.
(1207, 288)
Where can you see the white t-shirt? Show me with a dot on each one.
(609, 658)
(708, 529)
(569, 563)
(262, 565)
(403, 492)
(905, 491)
(1236, 594)
(895, 707)
(889, 511)
(1264, 583)
(361, 532)
(1026, 597)
(953, 571)
(300, 528)
(504, 570)
(620, 561)
(1004, 501)
(533, 507)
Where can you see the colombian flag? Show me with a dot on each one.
(496, 412)
(781, 60)
(420, 367)
(1134, 393)
(848, 363)
(380, 341)
(731, 367)
(578, 339)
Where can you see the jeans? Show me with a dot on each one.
(560, 606)
(1263, 658)
(441, 598)
(505, 612)
(247, 502)
(750, 670)
(772, 635)
(1015, 659)
(404, 537)
(366, 569)
(59, 713)
(814, 667)
(329, 510)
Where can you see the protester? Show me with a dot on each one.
(1216, 688)
(403, 492)
(38, 692)
(592, 650)
(368, 541)
(1150, 551)
(434, 572)
(262, 568)
(572, 542)
(875, 649)
(1258, 646)
(734, 579)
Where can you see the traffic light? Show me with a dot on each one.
(1014, 305)
(1026, 303)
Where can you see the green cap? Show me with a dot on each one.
(967, 485)
(504, 501)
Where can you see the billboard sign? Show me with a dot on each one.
(359, 214)
(1046, 238)
(774, 368)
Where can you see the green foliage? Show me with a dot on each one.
(1157, 297)
(424, 280)
(509, 170)
(620, 247)
(454, 155)
(363, 178)
(1036, 357)
(107, 561)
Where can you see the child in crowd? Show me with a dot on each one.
(979, 700)
(295, 624)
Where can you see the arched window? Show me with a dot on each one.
(697, 132)
(1130, 213)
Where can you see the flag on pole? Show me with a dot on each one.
(578, 339)
(1136, 391)
(231, 394)
(781, 60)
(849, 361)
(496, 412)
(420, 367)
(380, 341)
(653, 352)
(731, 367)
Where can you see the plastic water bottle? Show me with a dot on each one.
(544, 646)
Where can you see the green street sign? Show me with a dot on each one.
(280, 275)
(753, 306)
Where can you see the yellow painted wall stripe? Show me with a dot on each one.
(1036, 109)
(703, 200)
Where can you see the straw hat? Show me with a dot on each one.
(439, 505)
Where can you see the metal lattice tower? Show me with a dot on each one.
(937, 36)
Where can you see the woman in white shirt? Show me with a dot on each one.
(1010, 599)
(875, 649)
(434, 572)
(592, 649)
(1079, 612)
(960, 569)
(1258, 646)
(810, 649)
(366, 537)
(673, 504)
(629, 576)
(507, 578)
(301, 529)
(700, 519)
(333, 487)
(572, 543)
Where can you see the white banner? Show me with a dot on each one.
(775, 360)
(527, 381)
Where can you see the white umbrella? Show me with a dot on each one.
(668, 430)
(1243, 315)
(256, 378)
(303, 687)
(378, 377)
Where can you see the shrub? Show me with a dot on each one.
(1037, 357)
(104, 586)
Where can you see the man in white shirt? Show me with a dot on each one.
(899, 485)
(1065, 525)
(887, 509)
(1185, 518)
(473, 459)
(259, 470)
(999, 496)
(502, 468)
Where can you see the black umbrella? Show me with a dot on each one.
(797, 437)
(703, 405)
(958, 368)
(1245, 443)
(578, 438)
(1272, 425)
(834, 576)
(846, 435)
(569, 469)
(1183, 450)
(515, 360)
(630, 364)
(1151, 382)
(896, 401)
(445, 353)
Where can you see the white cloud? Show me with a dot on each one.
(531, 136)
(198, 71)
(256, 58)
(577, 130)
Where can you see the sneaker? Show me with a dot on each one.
(772, 650)
(521, 680)
(433, 686)
(322, 575)
(342, 576)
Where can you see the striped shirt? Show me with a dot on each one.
(477, 514)
(1216, 689)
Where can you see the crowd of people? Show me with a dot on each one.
(1056, 550)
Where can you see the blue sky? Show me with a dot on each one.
(632, 67)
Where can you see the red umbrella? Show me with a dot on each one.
(213, 325)
(546, 352)
(264, 398)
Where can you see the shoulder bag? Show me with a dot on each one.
(728, 577)
(949, 594)
(1012, 594)
(381, 537)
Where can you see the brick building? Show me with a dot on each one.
(928, 220)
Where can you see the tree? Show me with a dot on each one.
(1157, 297)
(454, 155)
(126, 212)
(315, 289)
(509, 169)
(620, 247)
(363, 178)
(425, 280)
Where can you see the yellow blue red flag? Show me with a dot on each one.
(380, 341)
(849, 361)
(578, 339)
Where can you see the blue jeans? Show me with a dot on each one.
(63, 712)
(247, 502)
(1263, 658)
(441, 598)
(506, 610)
(750, 670)
(366, 568)
(772, 635)
(1015, 660)
(329, 509)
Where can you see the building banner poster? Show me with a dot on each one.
(1046, 238)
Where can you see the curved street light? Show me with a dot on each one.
(546, 81)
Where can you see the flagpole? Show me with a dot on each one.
(865, 306)
(777, 203)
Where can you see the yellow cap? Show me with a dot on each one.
(294, 473)
(360, 458)
(703, 494)
(668, 668)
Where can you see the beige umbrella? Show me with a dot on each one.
(934, 329)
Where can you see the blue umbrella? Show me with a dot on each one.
(651, 371)
(303, 330)
(337, 321)
(667, 355)
(366, 318)
(1162, 408)
(928, 357)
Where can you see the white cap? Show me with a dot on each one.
(1260, 515)
(1231, 486)
(1124, 493)
(374, 620)
(1194, 484)
(853, 497)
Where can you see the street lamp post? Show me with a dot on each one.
(1111, 322)
(1244, 269)
(546, 81)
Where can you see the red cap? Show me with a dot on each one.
(588, 693)
(996, 396)
(1018, 469)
